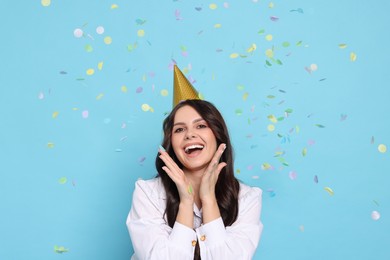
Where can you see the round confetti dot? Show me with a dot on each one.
(145, 107)
(382, 148)
(375, 215)
(269, 53)
(46, 3)
(139, 90)
(78, 33)
(85, 114)
(234, 55)
(269, 37)
(88, 48)
(213, 6)
(164, 92)
(90, 72)
(124, 89)
(100, 30)
(107, 40)
(141, 33)
(313, 67)
(271, 128)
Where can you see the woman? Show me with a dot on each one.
(195, 208)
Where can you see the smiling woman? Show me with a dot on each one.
(195, 208)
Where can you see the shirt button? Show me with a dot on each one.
(203, 238)
(193, 242)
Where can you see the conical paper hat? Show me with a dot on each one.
(182, 88)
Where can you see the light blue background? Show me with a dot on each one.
(43, 70)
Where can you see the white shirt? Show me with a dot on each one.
(153, 238)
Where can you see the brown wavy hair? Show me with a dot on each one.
(227, 186)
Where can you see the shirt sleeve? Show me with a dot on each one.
(151, 236)
(238, 241)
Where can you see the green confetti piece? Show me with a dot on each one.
(238, 112)
(270, 96)
(319, 125)
(299, 43)
(288, 110)
(62, 180)
(279, 62)
(268, 63)
(280, 118)
(88, 48)
(285, 44)
(261, 31)
(60, 249)
(304, 152)
(240, 87)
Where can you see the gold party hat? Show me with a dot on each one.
(182, 88)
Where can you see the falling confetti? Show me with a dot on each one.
(274, 18)
(78, 33)
(139, 90)
(315, 178)
(145, 107)
(62, 180)
(269, 37)
(304, 151)
(271, 128)
(353, 56)
(124, 89)
(292, 175)
(100, 65)
(90, 72)
(88, 48)
(100, 96)
(164, 92)
(45, 3)
(375, 215)
(60, 249)
(107, 40)
(55, 114)
(382, 148)
(234, 55)
(329, 190)
(50, 145)
(85, 114)
(41, 95)
(141, 33)
(213, 6)
(342, 46)
(100, 30)
(114, 6)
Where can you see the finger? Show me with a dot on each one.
(217, 156)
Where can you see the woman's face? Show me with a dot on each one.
(193, 141)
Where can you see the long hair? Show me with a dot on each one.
(227, 186)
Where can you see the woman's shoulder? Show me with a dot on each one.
(248, 191)
(151, 187)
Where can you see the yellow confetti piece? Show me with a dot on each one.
(107, 40)
(164, 92)
(266, 166)
(297, 129)
(252, 48)
(114, 6)
(342, 46)
(352, 56)
(218, 25)
(271, 128)
(269, 53)
(234, 55)
(50, 145)
(271, 5)
(90, 72)
(272, 118)
(141, 33)
(75, 108)
(45, 3)
(151, 109)
(100, 65)
(124, 89)
(100, 96)
(269, 37)
(313, 67)
(238, 171)
(213, 6)
(245, 96)
(55, 114)
(382, 148)
(145, 107)
(304, 152)
(144, 78)
(62, 180)
(329, 190)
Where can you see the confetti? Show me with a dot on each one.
(78, 33)
(375, 215)
(85, 114)
(190, 190)
(266, 166)
(315, 178)
(304, 152)
(343, 117)
(382, 148)
(313, 67)
(164, 92)
(234, 55)
(177, 15)
(269, 37)
(107, 40)
(60, 249)
(274, 18)
(145, 107)
(114, 6)
(41, 95)
(90, 72)
(271, 5)
(285, 44)
(139, 90)
(140, 21)
(55, 114)
(213, 6)
(218, 25)
(329, 190)
(124, 89)
(141, 33)
(272, 118)
(100, 65)
(50, 145)
(292, 175)
(45, 3)
(342, 46)
(100, 96)
(141, 159)
(62, 180)
(100, 30)
(271, 128)
(226, 5)
(88, 48)
(252, 48)
(302, 228)
(353, 56)
(245, 96)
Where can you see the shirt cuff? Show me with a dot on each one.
(183, 237)
(212, 233)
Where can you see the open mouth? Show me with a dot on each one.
(191, 148)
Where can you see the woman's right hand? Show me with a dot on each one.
(177, 175)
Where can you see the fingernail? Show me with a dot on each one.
(161, 148)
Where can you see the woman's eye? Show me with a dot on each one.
(202, 126)
(178, 130)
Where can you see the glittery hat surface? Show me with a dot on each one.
(182, 88)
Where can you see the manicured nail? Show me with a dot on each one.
(161, 148)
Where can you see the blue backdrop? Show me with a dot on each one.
(303, 85)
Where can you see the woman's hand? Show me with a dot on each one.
(210, 177)
(177, 175)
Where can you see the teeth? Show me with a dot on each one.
(188, 148)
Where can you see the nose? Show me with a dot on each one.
(189, 135)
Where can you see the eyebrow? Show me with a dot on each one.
(194, 122)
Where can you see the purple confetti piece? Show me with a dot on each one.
(141, 159)
(198, 9)
(315, 178)
(139, 90)
(274, 18)
(177, 15)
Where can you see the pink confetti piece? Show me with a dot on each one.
(375, 215)
(177, 15)
(311, 142)
(292, 175)
(85, 114)
(250, 167)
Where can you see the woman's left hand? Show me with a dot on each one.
(210, 177)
